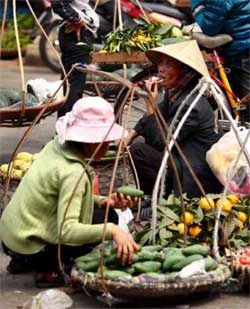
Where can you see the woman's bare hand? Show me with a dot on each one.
(75, 27)
(126, 246)
(119, 201)
(152, 88)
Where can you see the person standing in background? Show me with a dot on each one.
(76, 38)
(229, 17)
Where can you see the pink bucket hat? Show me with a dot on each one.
(89, 122)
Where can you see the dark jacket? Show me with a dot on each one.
(64, 10)
(195, 138)
(73, 11)
(225, 16)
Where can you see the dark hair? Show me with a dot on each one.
(75, 145)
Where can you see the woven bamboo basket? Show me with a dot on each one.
(179, 287)
(14, 117)
(10, 53)
(108, 89)
(104, 169)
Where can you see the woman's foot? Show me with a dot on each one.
(49, 280)
(17, 267)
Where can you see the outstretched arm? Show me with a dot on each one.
(211, 14)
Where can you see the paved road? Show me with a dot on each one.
(16, 290)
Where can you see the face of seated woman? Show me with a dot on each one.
(169, 70)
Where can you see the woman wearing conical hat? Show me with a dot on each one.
(180, 66)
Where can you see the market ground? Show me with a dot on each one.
(18, 289)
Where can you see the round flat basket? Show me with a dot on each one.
(179, 287)
(109, 90)
(14, 117)
(10, 53)
(13, 180)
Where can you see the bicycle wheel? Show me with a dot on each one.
(138, 108)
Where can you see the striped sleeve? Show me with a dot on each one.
(211, 14)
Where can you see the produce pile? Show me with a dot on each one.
(141, 38)
(200, 217)
(24, 22)
(9, 40)
(20, 166)
(151, 264)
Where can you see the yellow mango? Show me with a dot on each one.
(4, 168)
(17, 174)
(18, 164)
(25, 166)
(24, 156)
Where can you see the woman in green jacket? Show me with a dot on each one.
(31, 223)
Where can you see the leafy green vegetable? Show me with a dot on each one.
(24, 21)
(140, 38)
(9, 40)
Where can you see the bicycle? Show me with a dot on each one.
(214, 63)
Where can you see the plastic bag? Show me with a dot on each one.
(222, 156)
(43, 89)
(51, 299)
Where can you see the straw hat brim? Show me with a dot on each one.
(187, 52)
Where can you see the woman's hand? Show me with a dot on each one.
(128, 139)
(126, 246)
(152, 88)
(119, 201)
(75, 27)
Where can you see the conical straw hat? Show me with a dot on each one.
(187, 52)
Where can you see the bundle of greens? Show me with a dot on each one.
(142, 38)
(9, 40)
(24, 21)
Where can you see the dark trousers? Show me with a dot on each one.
(46, 260)
(71, 54)
(239, 76)
(147, 161)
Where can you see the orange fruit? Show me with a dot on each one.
(189, 217)
(206, 203)
(194, 230)
(234, 199)
(226, 206)
(242, 216)
(181, 228)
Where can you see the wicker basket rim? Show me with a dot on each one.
(161, 285)
(12, 179)
(31, 108)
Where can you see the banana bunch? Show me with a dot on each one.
(20, 166)
(141, 38)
